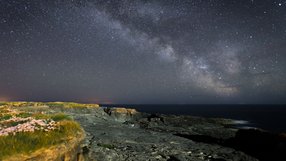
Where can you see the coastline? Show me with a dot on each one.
(127, 134)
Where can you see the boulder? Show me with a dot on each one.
(122, 114)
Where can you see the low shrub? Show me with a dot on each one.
(60, 117)
(24, 115)
(5, 117)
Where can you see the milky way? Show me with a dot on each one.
(165, 51)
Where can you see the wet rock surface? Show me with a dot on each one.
(116, 136)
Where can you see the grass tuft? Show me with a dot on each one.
(26, 143)
(60, 117)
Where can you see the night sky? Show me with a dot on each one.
(128, 51)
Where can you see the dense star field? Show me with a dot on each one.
(164, 51)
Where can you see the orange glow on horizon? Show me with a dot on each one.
(4, 99)
(100, 101)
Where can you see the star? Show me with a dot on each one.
(142, 51)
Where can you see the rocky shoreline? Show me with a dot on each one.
(118, 134)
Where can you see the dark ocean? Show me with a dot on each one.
(268, 117)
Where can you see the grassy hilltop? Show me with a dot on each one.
(26, 127)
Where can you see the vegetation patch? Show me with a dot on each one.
(70, 105)
(5, 117)
(3, 103)
(25, 132)
(24, 115)
(60, 117)
(49, 104)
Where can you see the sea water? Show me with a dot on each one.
(268, 117)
